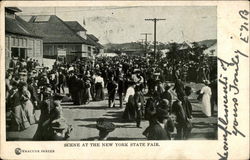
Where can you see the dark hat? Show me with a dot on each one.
(79, 75)
(102, 125)
(162, 113)
(58, 96)
(30, 80)
(21, 84)
(13, 83)
(164, 104)
(59, 124)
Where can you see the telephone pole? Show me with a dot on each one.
(146, 41)
(155, 20)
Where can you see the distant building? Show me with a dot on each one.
(20, 40)
(107, 55)
(98, 47)
(95, 46)
(61, 38)
(212, 50)
(134, 52)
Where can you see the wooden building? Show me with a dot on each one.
(62, 37)
(20, 40)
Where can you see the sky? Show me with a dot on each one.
(125, 24)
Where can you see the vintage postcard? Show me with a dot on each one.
(124, 80)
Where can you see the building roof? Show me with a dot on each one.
(95, 43)
(75, 26)
(18, 26)
(212, 50)
(54, 30)
(93, 37)
(185, 45)
(13, 9)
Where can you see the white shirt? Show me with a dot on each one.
(130, 91)
(99, 79)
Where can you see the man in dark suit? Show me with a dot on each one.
(161, 128)
(112, 87)
(182, 108)
(139, 105)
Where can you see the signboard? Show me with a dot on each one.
(61, 52)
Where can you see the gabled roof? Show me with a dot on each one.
(95, 43)
(54, 30)
(18, 26)
(75, 26)
(93, 37)
(212, 50)
(185, 45)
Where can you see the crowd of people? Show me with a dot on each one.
(142, 85)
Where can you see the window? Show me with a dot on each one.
(25, 42)
(89, 48)
(12, 41)
(16, 42)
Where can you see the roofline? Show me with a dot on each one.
(63, 43)
(72, 30)
(84, 29)
(27, 35)
(14, 9)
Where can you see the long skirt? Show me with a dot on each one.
(41, 132)
(79, 100)
(206, 104)
(29, 111)
(129, 113)
(99, 92)
(19, 120)
(86, 95)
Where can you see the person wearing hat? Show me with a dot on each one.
(214, 97)
(19, 120)
(12, 63)
(26, 102)
(43, 80)
(161, 128)
(33, 91)
(130, 112)
(112, 88)
(206, 98)
(45, 106)
(139, 105)
(23, 75)
(167, 95)
(99, 86)
(182, 109)
(61, 81)
(60, 130)
(104, 128)
(179, 86)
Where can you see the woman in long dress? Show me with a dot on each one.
(206, 103)
(26, 102)
(130, 111)
(99, 85)
(19, 120)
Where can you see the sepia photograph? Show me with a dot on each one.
(115, 73)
